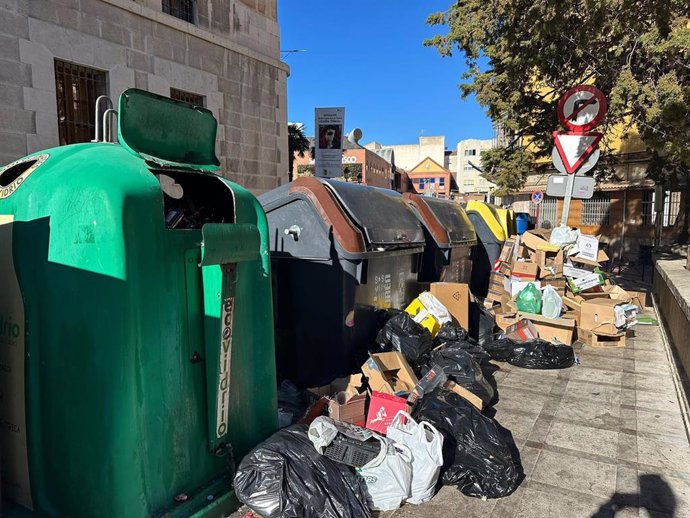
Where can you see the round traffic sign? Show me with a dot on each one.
(586, 166)
(582, 108)
(537, 197)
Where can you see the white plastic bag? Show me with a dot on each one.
(426, 444)
(388, 477)
(551, 302)
(323, 430)
(563, 236)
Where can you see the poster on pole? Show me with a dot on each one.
(329, 141)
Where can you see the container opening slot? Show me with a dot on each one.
(10, 174)
(191, 200)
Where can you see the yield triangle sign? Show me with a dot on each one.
(575, 148)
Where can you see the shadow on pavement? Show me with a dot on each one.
(655, 496)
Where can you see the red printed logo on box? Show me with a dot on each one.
(382, 410)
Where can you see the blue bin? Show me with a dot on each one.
(522, 220)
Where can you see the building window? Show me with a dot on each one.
(671, 208)
(182, 9)
(596, 210)
(77, 88)
(187, 97)
(442, 182)
(470, 152)
(468, 167)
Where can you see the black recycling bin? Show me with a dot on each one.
(340, 253)
(491, 236)
(449, 236)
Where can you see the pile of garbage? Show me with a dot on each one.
(413, 418)
(549, 284)
(417, 415)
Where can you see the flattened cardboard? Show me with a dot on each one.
(456, 297)
(601, 258)
(532, 240)
(389, 373)
(475, 400)
(552, 329)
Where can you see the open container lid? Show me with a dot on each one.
(381, 214)
(167, 132)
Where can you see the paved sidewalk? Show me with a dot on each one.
(608, 432)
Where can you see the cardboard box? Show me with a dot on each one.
(382, 409)
(499, 286)
(524, 271)
(456, 297)
(550, 263)
(639, 298)
(588, 246)
(507, 251)
(522, 331)
(389, 373)
(552, 329)
(600, 341)
(345, 402)
(601, 316)
(572, 315)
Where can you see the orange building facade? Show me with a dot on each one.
(432, 179)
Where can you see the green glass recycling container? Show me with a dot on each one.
(136, 338)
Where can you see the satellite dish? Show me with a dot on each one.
(355, 135)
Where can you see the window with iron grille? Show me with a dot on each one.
(187, 97)
(596, 210)
(671, 212)
(547, 212)
(182, 9)
(76, 88)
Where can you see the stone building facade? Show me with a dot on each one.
(222, 53)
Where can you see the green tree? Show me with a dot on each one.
(297, 143)
(522, 54)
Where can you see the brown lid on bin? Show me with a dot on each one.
(344, 231)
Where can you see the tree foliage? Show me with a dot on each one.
(522, 54)
(297, 143)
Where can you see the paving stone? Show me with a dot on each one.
(590, 413)
(660, 423)
(575, 473)
(596, 375)
(667, 402)
(541, 504)
(579, 390)
(664, 454)
(664, 494)
(583, 438)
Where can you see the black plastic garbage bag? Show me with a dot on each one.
(285, 477)
(403, 334)
(477, 458)
(460, 367)
(533, 354)
(451, 333)
(481, 323)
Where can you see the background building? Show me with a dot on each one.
(469, 179)
(408, 156)
(57, 56)
(359, 165)
(432, 179)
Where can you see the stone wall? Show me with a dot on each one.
(231, 56)
(672, 293)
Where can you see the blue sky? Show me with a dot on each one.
(367, 55)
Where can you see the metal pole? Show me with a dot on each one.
(566, 200)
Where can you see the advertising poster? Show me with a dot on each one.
(329, 125)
